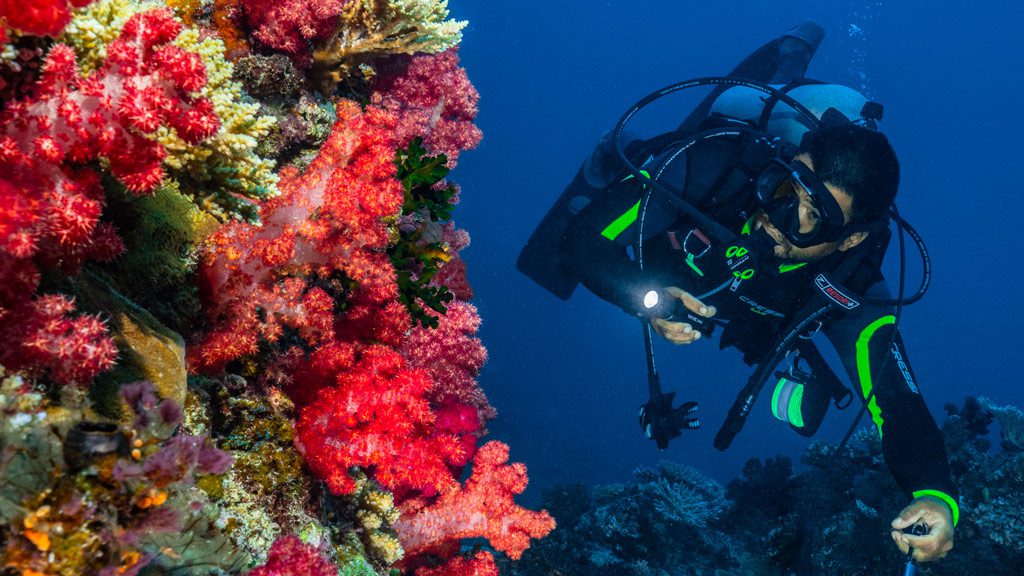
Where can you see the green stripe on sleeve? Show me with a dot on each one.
(864, 366)
(953, 506)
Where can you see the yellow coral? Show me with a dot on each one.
(369, 520)
(379, 27)
(380, 502)
(226, 162)
(376, 511)
(385, 547)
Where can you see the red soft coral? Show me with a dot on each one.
(378, 418)
(38, 17)
(40, 335)
(290, 557)
(54, 207)
(481, 564)
(432, 97)
(484, 508)
(328, 227)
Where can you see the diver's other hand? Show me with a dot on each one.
(937, 516)
(681, 332)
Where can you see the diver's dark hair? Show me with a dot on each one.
(861, 162)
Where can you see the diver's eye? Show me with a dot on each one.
(806, 205)
(786, 189)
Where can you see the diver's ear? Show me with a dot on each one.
(853, 240)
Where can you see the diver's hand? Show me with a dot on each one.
(681, 332)
(936, 515)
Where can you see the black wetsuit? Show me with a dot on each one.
(600, 245)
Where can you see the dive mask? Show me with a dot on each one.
(777, 193)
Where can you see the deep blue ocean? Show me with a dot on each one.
(568, 378)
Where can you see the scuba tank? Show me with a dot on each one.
(785, 122)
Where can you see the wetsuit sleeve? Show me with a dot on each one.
(598, 243)
(912, 444)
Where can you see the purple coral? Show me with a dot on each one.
(432, 97)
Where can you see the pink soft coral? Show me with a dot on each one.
(452, 355)
(433, 98)
(453, 272)
(484, 508)
(292, 25)
(41, 335)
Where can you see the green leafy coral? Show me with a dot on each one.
(420, 251)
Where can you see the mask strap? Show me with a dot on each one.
(820, 195)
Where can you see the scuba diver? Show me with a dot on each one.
(765, 213)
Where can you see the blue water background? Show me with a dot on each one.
(567, 378)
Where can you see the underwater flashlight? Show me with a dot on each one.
(661, 304)
(651, 299)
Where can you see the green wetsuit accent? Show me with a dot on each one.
(949, 500)
(796, 415)
(693, 265)
(619, 225)
(783, 268)
(864, 366)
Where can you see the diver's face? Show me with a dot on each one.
(808, 219)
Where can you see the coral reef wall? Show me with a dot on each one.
(237, 334)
